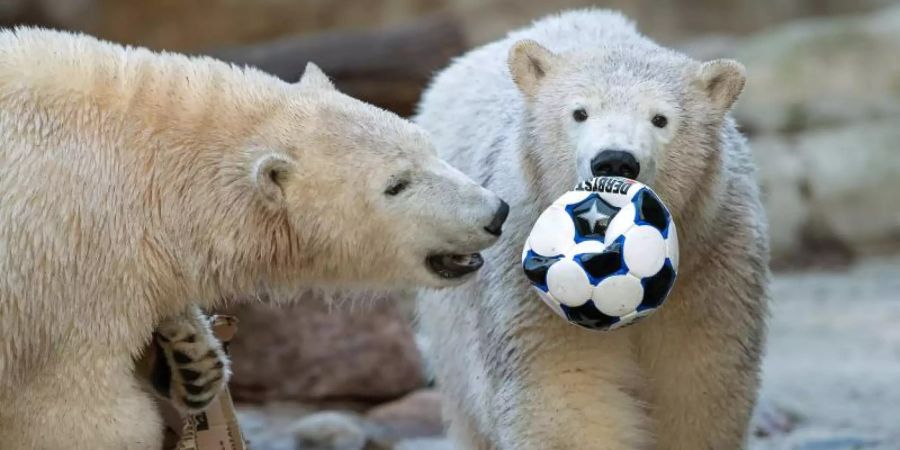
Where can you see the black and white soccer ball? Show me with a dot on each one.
(604, 255)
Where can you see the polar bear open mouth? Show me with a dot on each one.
(455, 266)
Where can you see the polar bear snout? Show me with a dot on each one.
(496, 226)
(468, 233)
(478, 220)
(450, 218)
(615, 163)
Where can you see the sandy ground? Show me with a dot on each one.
(831, 375)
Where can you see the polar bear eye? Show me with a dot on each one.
(580, 115)
(396, 187)
(659, 121)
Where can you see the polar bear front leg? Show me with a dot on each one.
(703, 364)
(576, 392)
(193, 367)
(90, 400)
(461, 430)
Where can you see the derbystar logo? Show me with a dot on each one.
(611, 185)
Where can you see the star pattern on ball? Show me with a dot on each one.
(599, 266)
(592, 217)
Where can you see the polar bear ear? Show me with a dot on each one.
(723, 80)
(529, 63)
(314, 78)
(269, 173)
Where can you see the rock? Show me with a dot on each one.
(416, 415)
(821, 73)
(265, 427)
(329, 431)
(425, 444)
(853, 178)
(820, 106)
(409, 422)
(829, 190)
(360, 350)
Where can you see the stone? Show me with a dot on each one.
(330, 430)
(357, 349)
(815, 73)
(417, 415)
(832, 190)
(820, 107)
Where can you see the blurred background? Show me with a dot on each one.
(822, 110)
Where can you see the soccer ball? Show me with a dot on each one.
(604, 255)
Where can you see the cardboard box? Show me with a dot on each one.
(215, 429)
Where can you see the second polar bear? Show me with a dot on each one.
(573, 96)
(133, 182)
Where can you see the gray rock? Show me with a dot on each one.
(820, 73)
(834, 187)
(821, 106)
(329, 431)
(416, 415)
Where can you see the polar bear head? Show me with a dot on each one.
(635, 110)
(363, 195)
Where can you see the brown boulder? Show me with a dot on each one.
(356, 350)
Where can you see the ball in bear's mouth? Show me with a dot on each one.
(455, 266)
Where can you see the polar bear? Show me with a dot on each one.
(573, 96)
(135, 184)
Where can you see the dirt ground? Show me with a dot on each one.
(830, 376)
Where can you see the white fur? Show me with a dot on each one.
(517, 377)
(132, 182)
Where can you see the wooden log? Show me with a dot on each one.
(388, 68)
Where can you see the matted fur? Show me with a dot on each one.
(515, 376)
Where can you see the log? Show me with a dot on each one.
(388, 68)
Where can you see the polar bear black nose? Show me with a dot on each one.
(615, 162)
(496, 226)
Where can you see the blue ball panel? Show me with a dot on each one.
(650, 211)
(601, 265)
(591, 217)
(657, 287)
(588, 316)
(536, 267)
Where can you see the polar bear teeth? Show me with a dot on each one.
(455, 265)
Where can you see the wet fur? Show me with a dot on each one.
(514, 375)
(135, 185)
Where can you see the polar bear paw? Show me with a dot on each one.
(193, 368)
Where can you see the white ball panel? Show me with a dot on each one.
(672, 245)
(570, 198)
(635, 189)
(525, 250)
(618, 295)
(568, 283)
(620, 223)
(645, 250)
(589, 246)
(614, 200)
(553, 233)
(631, 317)
(620, 200)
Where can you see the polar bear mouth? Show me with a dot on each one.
(454, 266)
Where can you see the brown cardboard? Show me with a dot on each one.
(216, 428)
